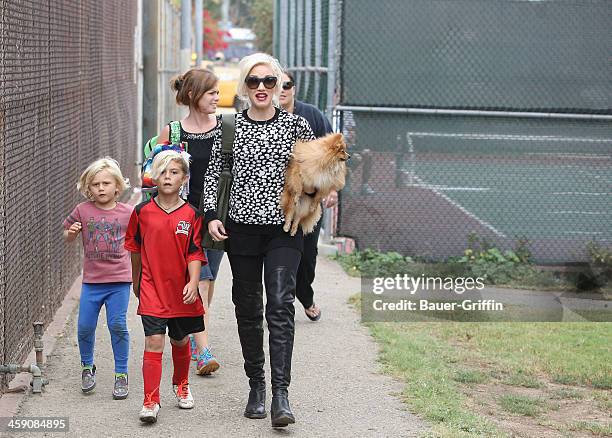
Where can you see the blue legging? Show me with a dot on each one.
(115, 296)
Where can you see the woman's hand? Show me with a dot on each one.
(217, 230)
(331, 199)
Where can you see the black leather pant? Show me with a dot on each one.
(280, 269)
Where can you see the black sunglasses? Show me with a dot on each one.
(288, 85)
(253, 82)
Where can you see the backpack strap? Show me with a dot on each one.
(148, 147)
(174, 134)
(228, 129)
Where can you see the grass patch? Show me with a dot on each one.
(566, 394)
(521, 404)
(439, 361)
(524, 380)
(569, 353)
(603, 400)
(470, 376)
(430, 386)
(427, 356)
(590, 426)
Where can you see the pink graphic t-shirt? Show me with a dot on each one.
(103, 232)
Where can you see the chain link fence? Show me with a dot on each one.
(161, 61)
(305, 42)
(170, 60)
(469, 117)
(68, 96)
(302, 41)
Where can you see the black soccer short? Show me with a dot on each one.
(177, 328)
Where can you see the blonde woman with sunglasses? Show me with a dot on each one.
(256, 243)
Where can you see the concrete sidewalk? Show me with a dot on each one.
(336, 387)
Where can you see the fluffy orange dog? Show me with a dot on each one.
(316, 168)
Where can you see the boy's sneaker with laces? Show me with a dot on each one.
(183, 395)
(149, 411)
(207, 363)
(121, 390)
(88, 378)
(194, 348)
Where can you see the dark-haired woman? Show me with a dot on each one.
(198, 90)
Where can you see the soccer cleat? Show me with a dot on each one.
(183, 395)
(148, 413)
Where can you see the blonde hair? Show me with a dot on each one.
(163, 159)
(251, 61)
(196, 81)
(111, 166)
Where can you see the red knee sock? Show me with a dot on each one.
(151, 373)
(181, 358)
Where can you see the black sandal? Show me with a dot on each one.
(313, 318)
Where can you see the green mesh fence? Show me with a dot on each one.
(466, 117)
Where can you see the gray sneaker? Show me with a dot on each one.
(88, 378)
(121, 390)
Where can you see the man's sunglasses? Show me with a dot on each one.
(253, 82)
(288, 85)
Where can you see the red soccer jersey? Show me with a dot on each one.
(167, 243)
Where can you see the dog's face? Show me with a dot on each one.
(335, 148)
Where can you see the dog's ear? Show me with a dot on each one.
(335, 137)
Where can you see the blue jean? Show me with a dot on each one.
(210, 271)
(115, 296)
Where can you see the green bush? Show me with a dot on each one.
(370, 263)
(480, 259)
(511, 267)
(600, 273)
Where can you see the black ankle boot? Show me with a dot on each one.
(280, 411)
(256, 406)
(248, 302)
(280, 291)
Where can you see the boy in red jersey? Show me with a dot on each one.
(164, 238)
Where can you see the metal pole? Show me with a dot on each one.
(291, 50)
(225, 24)
(331, 85)
(472, 113)
(275, 33)
(185, 35)
(38, 343)
(281, 33)
(307, 68)
(308, 42)
(150, 63)
(331, 58)
(318, 55)
(199, 31)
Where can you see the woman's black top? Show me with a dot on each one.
(200, 146)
